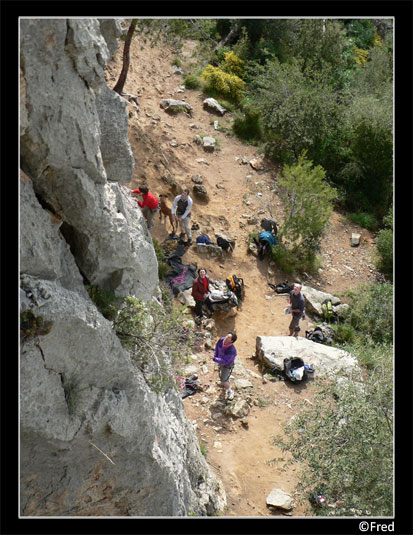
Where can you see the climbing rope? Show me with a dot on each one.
(126, 193)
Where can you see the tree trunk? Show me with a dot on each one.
(125, 67)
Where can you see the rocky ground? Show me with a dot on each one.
(239, 448)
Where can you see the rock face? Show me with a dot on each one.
(95, 439)
(272, 350)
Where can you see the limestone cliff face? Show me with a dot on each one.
(114, 447)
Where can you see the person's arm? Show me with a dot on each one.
(188, 208)
(174, 203)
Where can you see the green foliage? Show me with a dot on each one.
(163, 267)
(192, 82)
(32, 326)
(364, 219)
(156, 338)
(106, 302)
(307, 204)
(385, 246)
(344, 442)
(362, 31)
(232, 64)
(344, 333)
(371, 312)
(204, 449)
(247, 123)
(228, 85)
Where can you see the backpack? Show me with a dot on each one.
(282, 288)
(269, 224)
(327, 310)
(295, 370)
(236, 285)
(316, 335)
(203, 238)
(224, 244)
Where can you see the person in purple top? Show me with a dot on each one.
(224, 355)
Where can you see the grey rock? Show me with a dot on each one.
(355, 239)
(114, 144)
(197, 179)
(272, 350)
(170, 104)
(280, 499)
(111, 30)
(209, 143)
(314, 298)
(212, 105)
(200, 191)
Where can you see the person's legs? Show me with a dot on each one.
(186, 226)
(150, 218)
(294, 328)
(146, 211)
(198, 309)
(224, 374)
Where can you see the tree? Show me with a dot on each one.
(307, 204)
(125, 66)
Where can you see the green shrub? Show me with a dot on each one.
(343, 442)
(106, 302)
(365, 220)
(371, 312)
(192, 82)
(385, 246)
(32, 326)
(163, 267)
(247, 124)
(344, 333)
(156, 338)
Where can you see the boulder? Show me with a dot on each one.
(355, 239)
(228, 237)
(200, 191)
(175, 106)
(211, 104)
(185, 298)
(314, 298)
(239, 409)
(197, 179)
(272, 350)
(212, 250)
(209, 143)
(280, 499)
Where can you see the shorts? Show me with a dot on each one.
(294, 323)
(224, 373)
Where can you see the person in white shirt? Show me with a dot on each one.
(181, 210)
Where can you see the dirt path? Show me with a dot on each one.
(238, 453)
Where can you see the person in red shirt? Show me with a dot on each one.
(200, 292)
(149, 205)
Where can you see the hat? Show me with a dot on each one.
(136, 191)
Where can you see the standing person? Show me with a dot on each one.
(200, 292)
(296, 308)
(182, 205)
(224, 355)
(149, 205)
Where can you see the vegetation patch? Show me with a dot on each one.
(32, 326)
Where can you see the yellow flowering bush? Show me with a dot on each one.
(232, 64)
(224, 83)
(360, 55)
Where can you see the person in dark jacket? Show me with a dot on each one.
(149, 205)
(181, 210)
(200, 292)
(296, 308)
(224, 355)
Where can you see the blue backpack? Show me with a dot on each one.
(203, 238)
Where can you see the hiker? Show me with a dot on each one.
(265, 241)
(224, 355)
(296, 308)
(182, 205)
(149, 205)
(200, 292)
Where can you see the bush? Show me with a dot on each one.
(365, 220)
(192, 82)
(156, 338)
(385, 247)
(344, 333)
(163, 267)
(344, 442)
(247, 124)
(371, 312)
(106, 302)
(32, 326)
(228, 85)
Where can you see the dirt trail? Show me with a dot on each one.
(241, 459)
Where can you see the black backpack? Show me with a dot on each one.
(316, 335)
(291, 364)
(224, 244)
(282, 288)
(270, 225)
(236, 285)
